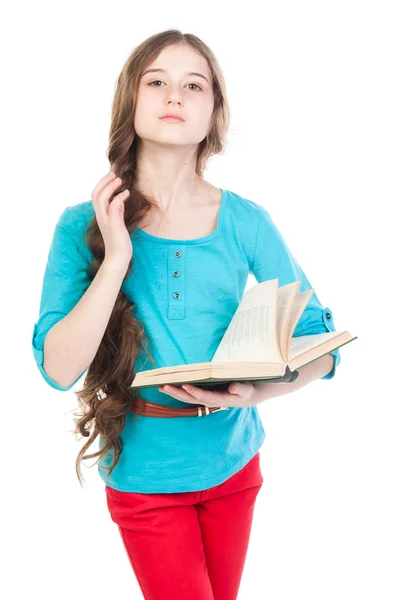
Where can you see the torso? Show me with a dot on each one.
(197, 220)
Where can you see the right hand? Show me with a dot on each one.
(110, 219)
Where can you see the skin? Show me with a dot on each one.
(245, 395)
(250, 395)
(166, 154)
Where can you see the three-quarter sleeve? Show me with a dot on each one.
(273, 259)
(65, 281)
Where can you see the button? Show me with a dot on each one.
(177, 254)
(327, 317)
(176, 274)
(176, 295)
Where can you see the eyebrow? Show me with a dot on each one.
(163, 71)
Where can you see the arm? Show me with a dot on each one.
(314, 370)
(272, 258)
(72, 343)
(74, 309)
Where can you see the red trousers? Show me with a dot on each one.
(189, 545)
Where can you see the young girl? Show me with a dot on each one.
(154, 267)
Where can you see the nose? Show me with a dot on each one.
(174, 97)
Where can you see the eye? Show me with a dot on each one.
(196, 85)
(158, 80)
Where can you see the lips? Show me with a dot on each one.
(172, 117)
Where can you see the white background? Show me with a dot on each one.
(312, 88)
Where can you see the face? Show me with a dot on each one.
(175, 89)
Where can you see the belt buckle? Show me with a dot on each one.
(207, 410)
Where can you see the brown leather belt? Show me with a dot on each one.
(150, 409)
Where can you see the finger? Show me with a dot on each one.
(116, 207)
(177, 393)
(103, 199)
(103, 182)
(216, 398)
(237, 387)
(207, 397)
(233, 388)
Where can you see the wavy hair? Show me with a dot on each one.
(106, 396)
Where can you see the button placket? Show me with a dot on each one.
(176, 287)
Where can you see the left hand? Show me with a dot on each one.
(239, 394)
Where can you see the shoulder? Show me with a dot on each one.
(76, 216)
(243, 224)
(247, 211)
(75, 219)
(72, 225)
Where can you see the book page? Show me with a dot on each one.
(301, 302)
(302, 343)
(252, 332)
(283, 306)
(286, 302)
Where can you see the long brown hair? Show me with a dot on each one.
(106, 397)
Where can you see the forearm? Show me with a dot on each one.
(314, 370)
(71, 344)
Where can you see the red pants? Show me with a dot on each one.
(189, 545)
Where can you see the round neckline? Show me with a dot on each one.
(200, 240)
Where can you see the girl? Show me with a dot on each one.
(154, 267)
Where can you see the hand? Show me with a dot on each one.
(240, 394)
(109, 211)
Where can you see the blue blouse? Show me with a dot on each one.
(186, 293)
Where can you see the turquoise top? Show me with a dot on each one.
(186, 293)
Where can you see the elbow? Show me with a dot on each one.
(335, 356)
(56, 375)
(50, 366)
(53, 378)
(329, 363)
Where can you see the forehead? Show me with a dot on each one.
(179, 59)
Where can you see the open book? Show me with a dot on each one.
(257, 345)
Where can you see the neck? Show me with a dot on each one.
(168, 175)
